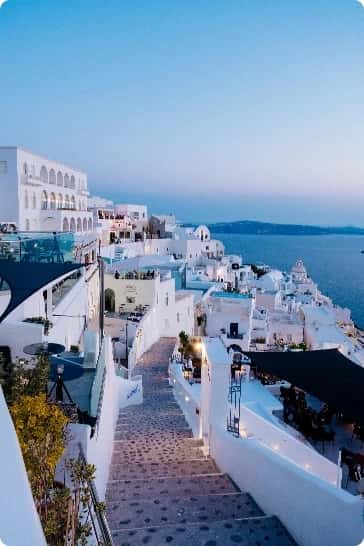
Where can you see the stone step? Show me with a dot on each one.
(152, 443)
(145, 513)
(159, 454)
(185, 486)
(146, 426)
(164, 421)
(133, 471)
(153, 435)
(246, 532)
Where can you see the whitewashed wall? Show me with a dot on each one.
(19, 521)
(314, 511)
(118, 393)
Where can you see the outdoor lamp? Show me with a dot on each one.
(60, 369)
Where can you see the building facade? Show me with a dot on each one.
(42, 195)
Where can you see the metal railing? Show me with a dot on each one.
(100, 526)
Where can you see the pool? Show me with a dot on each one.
(233, 295)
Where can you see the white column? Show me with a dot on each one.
(215, 379)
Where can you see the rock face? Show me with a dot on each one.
(163, 489)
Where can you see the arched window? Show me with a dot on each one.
(66, 226)
(60, 201)
(84, 224)
(66, 181)
(79, 224)
(26, 200)
(52, 177)
(59, 179)
(73, 202)
(44, 174)
(72, 182)
(79, 205)
(73, 225)
(67, 202)
(44, 201)
(52, 201)
(34, 201)
(90, 224)
(27, 225)
(25, 169)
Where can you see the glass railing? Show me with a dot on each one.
(97, 389)
(37, 247)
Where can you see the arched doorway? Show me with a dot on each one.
(109, 300)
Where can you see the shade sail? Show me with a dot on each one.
(24, 279)
(326, 374)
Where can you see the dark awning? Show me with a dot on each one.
(327, 374)
(24, 279)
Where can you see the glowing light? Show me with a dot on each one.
(307, 466)
(275, 447)
(187, 399)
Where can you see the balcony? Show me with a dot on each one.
(37, 247)
(29, 180)
(66, 219)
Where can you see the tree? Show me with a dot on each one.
(40, 428)
(30, 381)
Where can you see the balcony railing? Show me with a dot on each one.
(37, 247)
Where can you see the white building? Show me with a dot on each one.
(139, 213)
(229, 315)
(170, 311)
(39, 194)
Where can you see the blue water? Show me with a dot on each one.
(333, 261)
(231, 295)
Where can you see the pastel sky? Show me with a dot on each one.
(216, 109)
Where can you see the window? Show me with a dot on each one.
(178, 318)
(25, 169)
(66, 181)
(59, 179)
(66, 226)
(44, 174)
(34, 201)
(52, 177)
(166, 299)
(52, 201)
(136, 215)
(44, 200)
(3, 167)
(26, 200)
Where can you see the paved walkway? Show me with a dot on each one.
(163, 489)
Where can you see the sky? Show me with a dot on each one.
(215, 110)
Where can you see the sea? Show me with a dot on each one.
(335, 262)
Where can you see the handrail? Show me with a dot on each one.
(103, 525)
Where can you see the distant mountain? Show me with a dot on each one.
(266, 228)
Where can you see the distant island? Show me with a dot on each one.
(248, 227)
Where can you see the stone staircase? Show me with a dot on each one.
(162, 488)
